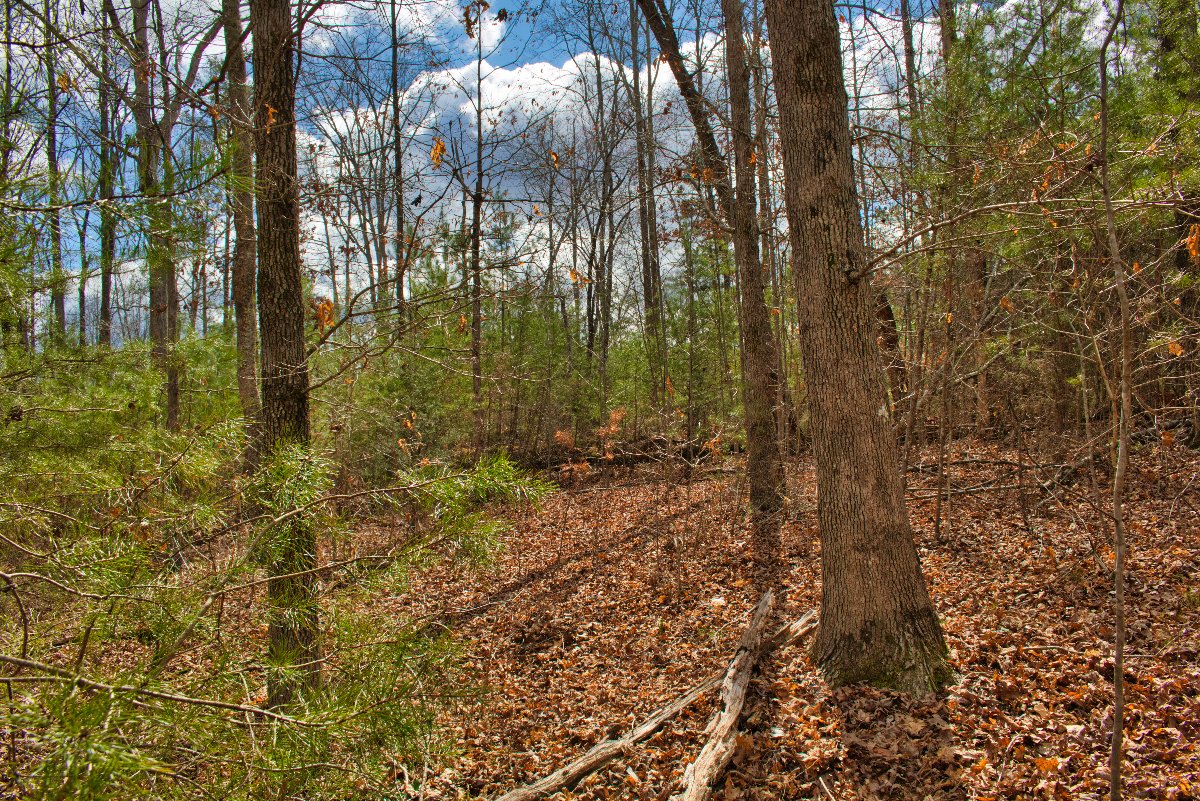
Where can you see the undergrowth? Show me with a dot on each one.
(134, 596)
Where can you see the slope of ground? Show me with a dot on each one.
(621, 594)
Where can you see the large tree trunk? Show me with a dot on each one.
(294, 626)
(241, 174)
(878, 624)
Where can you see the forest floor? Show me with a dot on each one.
(627, 589)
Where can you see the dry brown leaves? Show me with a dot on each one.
(616, 597)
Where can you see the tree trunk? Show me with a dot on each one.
(107, 190)
(647, 222)
(1123, 421)
(476, 265)
(57, 328)
(401, 254)
(160, 267)
(294, 626)
(81, 286)
(889, 342)
(878, 624)
(241, 176)
(761, 360)
(738, 207)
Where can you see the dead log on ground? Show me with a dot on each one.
(607, 750)
(701, 775)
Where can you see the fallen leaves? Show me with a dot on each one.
(621, 593)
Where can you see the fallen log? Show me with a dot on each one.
(607, 750)
(701, 775)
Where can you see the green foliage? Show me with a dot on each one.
(139, 594)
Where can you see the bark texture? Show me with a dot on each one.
(878, 624)
(737, 204)
(760, 357)
(294, 646)
(107, 189)
(241, 172)
(57, 329)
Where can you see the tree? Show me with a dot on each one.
(241, 169)
(737, 206)
(878, 624)
(760, 360)
(109, 158)
(156, 110)
(294, 646)
(58, 289)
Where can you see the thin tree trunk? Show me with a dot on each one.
(294, 645)
(761, 360)
(241, 176)
(651, 290)
(107, 189)
(477, 267)
(738, 207)
(160, 267)
(58, 290)
(398, 167)
(1125, 412)
(84, 270)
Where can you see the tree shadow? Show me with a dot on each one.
(852, 744)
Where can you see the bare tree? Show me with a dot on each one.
(156, 107)
(878, 624)
(738, 208)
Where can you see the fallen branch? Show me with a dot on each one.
(700, 776)
(606, 751)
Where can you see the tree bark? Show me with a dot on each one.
(57, 328)
(761, 360)
(107, 189)
(478, 421)
(878, 624)
(294, 647)
(401, 253)
(738, 207)
(241, 175)
(1123, 421)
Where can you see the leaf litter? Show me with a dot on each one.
(620, 594)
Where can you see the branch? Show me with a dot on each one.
(608, 750)
(52, 672)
